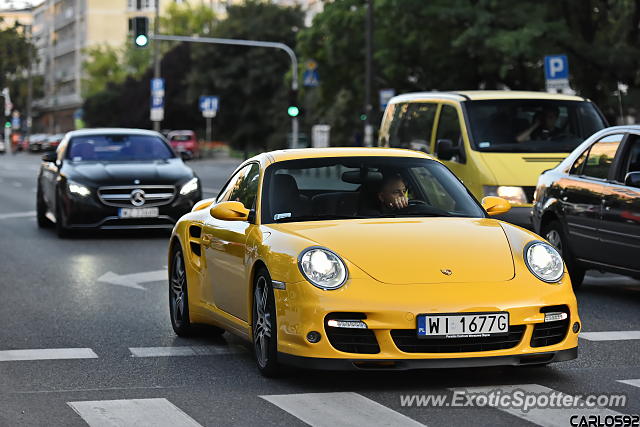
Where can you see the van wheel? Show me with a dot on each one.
(555, 235)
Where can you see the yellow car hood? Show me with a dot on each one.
(416, 250)
(522, 169)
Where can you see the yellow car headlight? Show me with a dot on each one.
(322, 268)
(544, 261)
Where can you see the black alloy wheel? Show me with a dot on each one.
(264, 328)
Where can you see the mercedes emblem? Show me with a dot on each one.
(137, 197)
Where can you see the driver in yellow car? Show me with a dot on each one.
(393, 193)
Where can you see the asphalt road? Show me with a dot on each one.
(64, 300)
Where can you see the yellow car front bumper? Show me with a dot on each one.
(390, 313)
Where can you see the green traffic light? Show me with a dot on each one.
(142, 40)
(7, 124)
(363, 117)
(293, 111)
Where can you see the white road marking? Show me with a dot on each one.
(339, 409)
(609, 279)
(635, 383)
(610, 335)
(133, 412)
(133, 280)
(47, 354)
(26, 214)
(205, 350)
(547, 417)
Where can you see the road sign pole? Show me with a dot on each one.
(208, 132)
(251, 43)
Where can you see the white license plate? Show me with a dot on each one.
(463, 325)
(138, 213)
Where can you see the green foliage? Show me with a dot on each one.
(467, 44)
(14, 60)
(187, 20)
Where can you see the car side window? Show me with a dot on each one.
(224, 193)
(449, 128)
(413, 126)
(576, 169)
(632, 163)
(601, 157)
(245, 188)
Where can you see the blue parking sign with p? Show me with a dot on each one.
(556, 67)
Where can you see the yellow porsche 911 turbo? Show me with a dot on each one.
(368, 258)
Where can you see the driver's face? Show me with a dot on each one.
(394, 194)
(550, 119)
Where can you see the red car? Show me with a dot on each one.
(184, 141)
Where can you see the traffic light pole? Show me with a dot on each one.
(251, 43)
(156, 54)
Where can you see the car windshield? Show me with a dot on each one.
(181, 138)
(363, 187)
(532, 126)
(115, 148)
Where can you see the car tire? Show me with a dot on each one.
(179, 296)
(41, 210)
(554, 233)
(264, 326)
(61, 229)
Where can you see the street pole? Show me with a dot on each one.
(250, 43)
(156, 53)
(208, 132)
(368, 108)
(29, 81)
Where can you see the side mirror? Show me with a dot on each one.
(50, 157)
(230, 211)
(495, 205)
(632, 179)
(445, 149)
(185, 155)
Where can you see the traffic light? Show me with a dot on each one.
(7, 124)
(293, 109)
(140, 31)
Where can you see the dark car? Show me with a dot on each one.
(589, 205)
(114, 179)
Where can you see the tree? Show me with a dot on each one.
(251, 82)
(14, 63)
(467, 44)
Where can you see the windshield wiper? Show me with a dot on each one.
(318, 218)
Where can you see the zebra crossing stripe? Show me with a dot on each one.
(339, 409)
(547, 417)
(205, 350)
(610, 336)
(133, 412)
(47, 354)
(635, 383)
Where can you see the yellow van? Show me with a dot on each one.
(496, 142)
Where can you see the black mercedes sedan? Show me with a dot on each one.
(589, 205)
(114, 179)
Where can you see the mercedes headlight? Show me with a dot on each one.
(190, 187)
(544, 261)
(78, 189)
(515, 195)
(322, 268)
